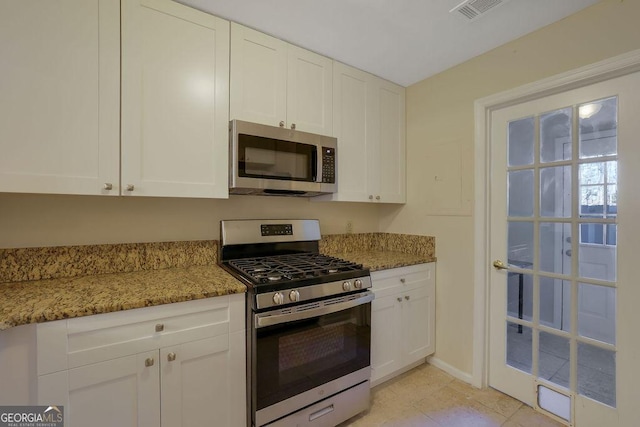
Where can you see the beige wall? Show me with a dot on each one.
(440, 139)
(51, 220)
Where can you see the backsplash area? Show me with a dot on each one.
(406, 243)
(18, 265)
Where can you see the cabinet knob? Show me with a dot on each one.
(159, 327)
(171, 357)
(377, 197)
(281, 123)
(403, 280)
(130, 187)
(370, 197)
(399, 299)
(149, 362)
(108, 186)
(293, 126)
(407, 297)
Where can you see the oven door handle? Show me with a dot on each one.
(268, 319)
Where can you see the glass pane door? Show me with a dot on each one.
(554, 232)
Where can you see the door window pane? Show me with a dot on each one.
(555, 135)
(597, 312)
(520, 295)
(555, 303)
(520, 200)
(555, 247)
(597, 373)
(595, 259)
(555, 192)
(553, 358)
(520, 144)
(598, 123)
(520, 244)
(519, 347)
(598, 189)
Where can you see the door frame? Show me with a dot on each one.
(594, 73)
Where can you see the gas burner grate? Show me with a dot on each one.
(283, 268)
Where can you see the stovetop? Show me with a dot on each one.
(293, 267)
(280, 263)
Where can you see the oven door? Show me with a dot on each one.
(319, 349)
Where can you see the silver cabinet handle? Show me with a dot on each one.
(149, 362)
(281, 123)
(407, 297)
(399, 299)
(293, 126)
(130, 187)
(160, 327)
(370, 197)
(377, 197)
(403, 280)
(108, 186)
(171, 357)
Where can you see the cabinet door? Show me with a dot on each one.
(386, 344)
(174, 100)
(196, 384)
(121, 392)
(309, 91)
(258, 77)
(389, 161)
(59, 108)
(417, 320)
(352, 94)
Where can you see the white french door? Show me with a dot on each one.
(564, 172)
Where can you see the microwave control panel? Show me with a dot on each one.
(328, 165)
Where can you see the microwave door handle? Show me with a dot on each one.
(317, 167)
(267, 319)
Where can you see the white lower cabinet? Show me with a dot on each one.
(181, 381)
(402, 319)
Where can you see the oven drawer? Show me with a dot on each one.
(331, 411)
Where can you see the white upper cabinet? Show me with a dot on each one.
(59, 102)
(369, 122)
(387, 179)
(175, 73)
(278, 84)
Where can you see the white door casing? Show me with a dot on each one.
(627, 244)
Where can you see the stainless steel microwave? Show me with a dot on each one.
(268, 160)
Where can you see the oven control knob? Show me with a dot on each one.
(357, 284)
(278, 298)
(294, 296)
(346, 286)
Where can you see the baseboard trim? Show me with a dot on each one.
(457, 373)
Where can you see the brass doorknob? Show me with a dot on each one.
(499, 265)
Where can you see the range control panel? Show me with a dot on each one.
(276, 229)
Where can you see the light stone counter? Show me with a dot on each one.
(380, 251)
(53, 299)
(43, 284)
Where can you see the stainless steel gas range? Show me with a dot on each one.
(308, 324)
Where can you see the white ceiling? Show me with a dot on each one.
(404, 41)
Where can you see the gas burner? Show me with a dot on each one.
(274, 277)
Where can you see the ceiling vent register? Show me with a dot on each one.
(470, 10)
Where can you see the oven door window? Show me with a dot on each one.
(267, 158)
(294, 357)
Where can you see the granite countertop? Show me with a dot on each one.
(52, 299)
(382, 259)
(52, 283)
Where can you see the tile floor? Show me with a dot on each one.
(429, 397)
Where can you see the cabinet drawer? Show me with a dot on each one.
(95, 338)
(389, 282)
